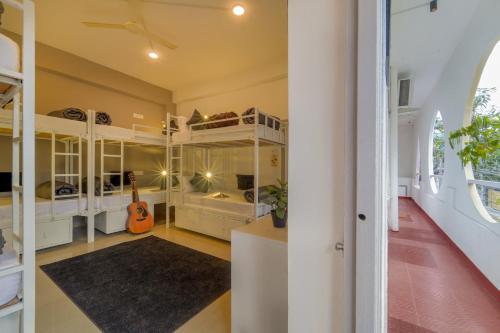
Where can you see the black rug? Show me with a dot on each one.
(146, 285)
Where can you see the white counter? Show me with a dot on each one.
(259, 278)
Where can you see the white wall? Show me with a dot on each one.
(452, 207)
(318, 196)
(406, 150)
(265, 88)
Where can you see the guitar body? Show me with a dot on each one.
(140, 219)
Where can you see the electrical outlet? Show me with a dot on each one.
(138, 115)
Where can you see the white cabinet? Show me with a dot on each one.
(111, 221)
(51, 232)
(212, 222)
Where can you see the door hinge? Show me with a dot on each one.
(339, 246)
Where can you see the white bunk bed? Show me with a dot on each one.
(17, 272)
(209, 213)
(54, 217)
(111, 208)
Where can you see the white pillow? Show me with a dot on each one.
(186, 184)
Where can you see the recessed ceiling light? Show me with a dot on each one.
(238, 10)
(153, 55)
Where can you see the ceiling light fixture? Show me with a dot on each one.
(164, 173)
(153, 54)
(208, 175)
(238, 10)
(433, 6)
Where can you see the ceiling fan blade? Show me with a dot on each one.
(104, 25)
(135, 11)
(159, 40)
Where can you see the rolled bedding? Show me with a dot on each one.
(262, 119)
(198, 122)
(61, 188)
(69, 113)
(102, 118)
(107, 186)
(263, 194)
(221, 116)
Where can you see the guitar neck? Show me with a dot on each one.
(135, 194)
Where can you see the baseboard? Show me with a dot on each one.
(470, 264)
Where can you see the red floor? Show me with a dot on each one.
(432, 286)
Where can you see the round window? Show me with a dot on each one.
(484, 177)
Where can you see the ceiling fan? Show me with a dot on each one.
(136, 24)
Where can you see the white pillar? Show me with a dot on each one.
(28, 157)
(321, 117)
(393, 154)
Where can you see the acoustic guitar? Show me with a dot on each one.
(140, 219)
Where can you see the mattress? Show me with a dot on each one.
(67, 207)
(9, 58)
(234, 203)
(9, 54)
(43, 207)
(149, 194)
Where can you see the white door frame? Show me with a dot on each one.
(371, 228)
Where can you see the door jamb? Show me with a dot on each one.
(371, 228)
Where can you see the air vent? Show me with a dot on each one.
(404, 99)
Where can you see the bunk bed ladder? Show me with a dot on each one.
(174, 172)
(104, 156)
(69, 171)
(256, 163)
(171, 173)
(16, 186)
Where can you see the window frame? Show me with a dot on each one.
(435, 188)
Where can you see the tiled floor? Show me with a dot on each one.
(56, 313)
(432, 286)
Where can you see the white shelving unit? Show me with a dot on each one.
(23, 214)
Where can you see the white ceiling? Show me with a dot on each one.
(423, 42)
(212, 43)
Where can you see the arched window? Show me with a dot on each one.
(485, 177)
(436, 171)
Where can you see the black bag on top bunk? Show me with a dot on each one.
(102, 118)
(107, 186)
(221, 116)
(61, 188)
(263, 194)
(69, 113)
(262, 119)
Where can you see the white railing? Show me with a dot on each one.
(268, 119)
(487, 183)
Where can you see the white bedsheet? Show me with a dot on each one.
(235, 203)
(43, 207)
(9, 54)
(66, 207)
(149, 194)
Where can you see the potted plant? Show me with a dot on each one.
(278, 199)
(481, 139)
